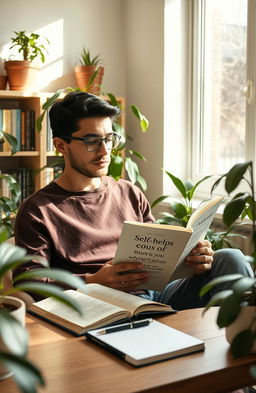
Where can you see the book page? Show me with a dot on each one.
(94, 310)
(199, 221)
(122, 299)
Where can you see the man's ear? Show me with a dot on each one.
(60, 145)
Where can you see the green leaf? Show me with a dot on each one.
(113, 99)
(180, 210)
(26, 375)
(235, 175)
(55, 274)
(143, 120)
(178, 184)
(137, 154)
(233, 210)
(116, 166)
(159, 200)
(132, 169)
(242, 285)
(142, 182)
(11, 140)
(218, 298)
(47, 290)
(229, 310)
(13, 334)
(242, 344)
(219, 280)
(193, 189)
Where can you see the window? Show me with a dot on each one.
(223, 90)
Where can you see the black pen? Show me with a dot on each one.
(125, 326)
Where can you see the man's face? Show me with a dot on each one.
(95, 163)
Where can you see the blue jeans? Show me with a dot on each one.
(184, 293)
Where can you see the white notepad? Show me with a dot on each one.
(148, 344)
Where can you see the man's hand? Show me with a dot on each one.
(201, 257)
(118, 276)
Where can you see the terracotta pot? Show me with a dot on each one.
(83, 75)
(19, 313)
(242, 322)
(22, 74)
(3, 82)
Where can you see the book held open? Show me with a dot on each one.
(163, 248)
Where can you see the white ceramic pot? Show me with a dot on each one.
(242, 322)
(19, 313)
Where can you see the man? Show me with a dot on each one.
(75, 221)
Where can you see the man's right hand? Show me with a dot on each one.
(118, 276)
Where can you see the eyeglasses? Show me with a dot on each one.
(94, 143)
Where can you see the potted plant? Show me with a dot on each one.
(179, 212)
(22, 74)
(89, 74)
(121, 158)
(13, 333)
(240, 300)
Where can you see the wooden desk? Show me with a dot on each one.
(73, 365)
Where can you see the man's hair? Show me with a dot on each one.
(65, 114)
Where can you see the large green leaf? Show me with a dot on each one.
(229, 310)
(132, 169)
(242, 344)
(193, 189)
(58, 275)
(13, 334)
(26, 375)
(11, 140)
(235, 175)
(116, 166)
(142, 182)
(218, 298)
(243, 285)
(219, 280)
(159, 200)
(178, 184)
(47, 290)
(233, 210)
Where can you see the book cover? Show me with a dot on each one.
(163, 248)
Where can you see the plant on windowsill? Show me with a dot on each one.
(240, 300)
(13, 334)
(179, 212)
(22, 74)
(121, 157)
(89, 74)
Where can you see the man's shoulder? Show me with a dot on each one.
(35, 199)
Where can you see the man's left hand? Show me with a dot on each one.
(201, 258)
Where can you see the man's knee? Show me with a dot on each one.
(231, 261)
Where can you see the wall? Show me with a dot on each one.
(129, 36)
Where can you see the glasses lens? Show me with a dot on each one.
(94, 144)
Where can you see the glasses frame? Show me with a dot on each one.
(99, 140)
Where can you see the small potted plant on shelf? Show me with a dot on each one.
(89, 74)
(13, 334)
(238, 304)
(22, 74)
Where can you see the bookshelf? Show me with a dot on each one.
(39, 157)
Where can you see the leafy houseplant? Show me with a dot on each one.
(179, 212)
(9, 204)
(121, 158)
(13, 336)
(234, 301)
(89, 74)
(22, 74)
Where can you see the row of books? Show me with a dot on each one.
(20, 124)
(26, 179)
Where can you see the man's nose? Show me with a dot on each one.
(103, 148)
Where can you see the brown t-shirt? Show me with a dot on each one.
(78, 231)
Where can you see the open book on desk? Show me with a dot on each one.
(101, 306)
(163, 248)
(149, 344)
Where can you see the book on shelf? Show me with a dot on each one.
(147, 344)
(163, 248)
(101, 306)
